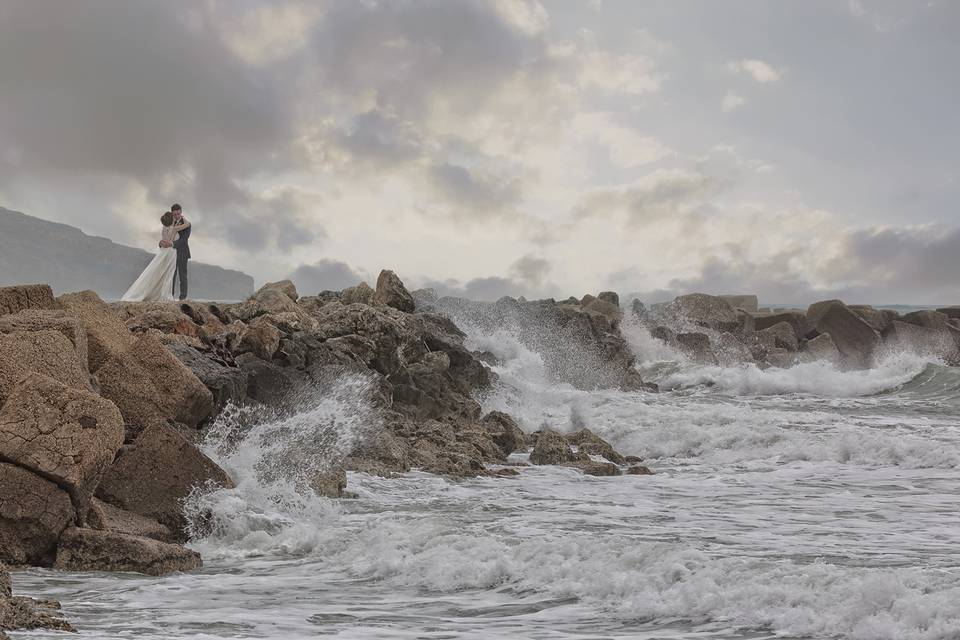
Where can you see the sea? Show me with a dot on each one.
(800, 503)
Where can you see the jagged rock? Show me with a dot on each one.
(854, 338)
(938, 342)
(593, 468)
(820, 348)
(93, 550)
(266, 382)
(151, 386)
(391, 292)
(106, 517)
(227, 384)
(65, 435)
(610, 297)
(17, 612)
(262, 339)
(33, 513)
(796, 319)
(592, 444)
(696, 346)
(285, 287)
(639, 470)
(748, 303)
(330, 483)
(264, 301)
(504, 432)
(47, 352)
(152, 476)
(551, 448)
(26, 296)
(107, 336)
(359, 294)
(783, 336)
(56, 320)
(878, 319)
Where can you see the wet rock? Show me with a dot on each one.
(748, 303)
(93, 550)
(730, 349)
(391, 292)
(504, 432)
(46, 352)
(65, 435)
(151, 386)
(359, 294)
(878, 319)
(820, 348)
(639, 470)
(41, 319)
(17, 612)
(226, 383)
(152, 477)
(783, 336)
(928, 318)
(383, 454)
(703, 310)
(26, 296)
(696, 346)
(942, 342)
(329, 483)
(33, 513)
(107, 335)
(802, 327)
(854, 338)
(106, 517)
(266, 383)
(551, 448)
(610, 297)
(780, 358)
(592, 444)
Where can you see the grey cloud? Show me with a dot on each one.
(480, 192)
(531, 270)
(380, 138)
(663, 193)
(326, 275)
(528, 277)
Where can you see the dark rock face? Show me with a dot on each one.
(33, 513)
(152, 476)
(796, 319)
(878, 319)
(854, 338)
(782, 336)
(391, 292)
(592, 444)
(92, 550)
(226, 383)
(696, 346)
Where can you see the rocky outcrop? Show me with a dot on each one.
(92, 550)
(33, 513)
(46, 352)
(855, 339)
(390, 292)
(152, 476)
(65, 435)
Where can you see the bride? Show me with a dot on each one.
(156, 281)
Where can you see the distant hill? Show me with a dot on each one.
(38, 251)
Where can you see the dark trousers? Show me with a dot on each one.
(181, 272)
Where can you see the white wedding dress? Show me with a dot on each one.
(156, 281)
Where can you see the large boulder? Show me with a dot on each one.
(26, 296)
(18, 612)
(878, 319)
(590, 443)
(226, 383)
(154, 475)
(820, 348)
(934, 342)
(286, 287)
(33, 513)
(391, 292)
(265, 301)
(696, 346)
(260, 338)
(65, 435)
(504, 432)
(796, 319)
(551, 448)
(702, 310)
(855, 339)
(150, 386)
(107, 335)
(747, 302)
(106, 517)
(782, 335)
(266, 382)
(92, 550)
(359, 294)
(56, 320)
(47, 352)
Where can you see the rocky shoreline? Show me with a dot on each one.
(103, 405)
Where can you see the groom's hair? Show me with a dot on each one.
(176, 207)
(166, 219)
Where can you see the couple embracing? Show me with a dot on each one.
(159, 280)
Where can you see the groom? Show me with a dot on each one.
(182, 245)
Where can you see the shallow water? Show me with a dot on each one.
(806, 503)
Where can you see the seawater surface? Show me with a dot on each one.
(801, 503)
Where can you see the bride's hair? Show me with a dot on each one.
(166, 219)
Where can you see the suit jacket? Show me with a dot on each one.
(182, 243)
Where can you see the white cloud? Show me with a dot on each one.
(732, 101)
(757, 69)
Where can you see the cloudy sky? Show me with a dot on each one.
(796, 149)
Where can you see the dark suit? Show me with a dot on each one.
(182, 245)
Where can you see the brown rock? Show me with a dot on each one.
(107, 336)
(47, 352)
(391, 292)
(152, 476)
(783, 336)
(106, 517)
(33, 513)
(17, 612)
(590, 443)
(504, 431)
(330, 483)
(260, 338)
(610, 297)
(26, 296)
(42, 319)
(950, 312)
(639, 470)
(150, 385)
(359, 294)
(64, 435)
(286, 287)
(854, 338)
(92, 550)
(551, 448)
